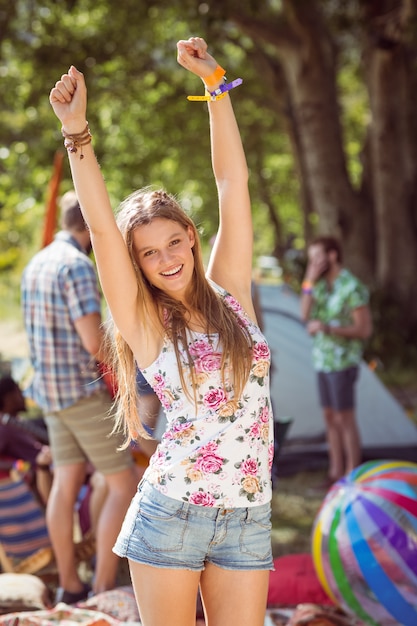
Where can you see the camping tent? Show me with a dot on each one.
(386, 430)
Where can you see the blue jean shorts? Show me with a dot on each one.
(164, 532)
(337, 389)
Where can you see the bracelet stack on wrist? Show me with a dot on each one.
(77, 140)
(307, 287)
(220, 91)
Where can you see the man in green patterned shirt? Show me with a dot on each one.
(334, 305)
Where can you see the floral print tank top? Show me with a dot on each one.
(218, 453)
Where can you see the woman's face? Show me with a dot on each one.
(163, 250)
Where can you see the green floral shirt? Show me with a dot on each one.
(334, 307)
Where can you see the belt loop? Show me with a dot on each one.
(183, 513)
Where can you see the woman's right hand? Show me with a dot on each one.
(69, 101)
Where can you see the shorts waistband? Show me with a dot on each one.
(208, 512)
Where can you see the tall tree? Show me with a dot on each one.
(305, 64)
(376, 219)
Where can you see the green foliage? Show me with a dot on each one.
(145, 131)
(393, 343)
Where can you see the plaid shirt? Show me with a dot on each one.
(59, 286)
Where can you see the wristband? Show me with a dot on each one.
(206, 98)
(218, 93)
(307, 287)
(226, 87)
(214, 78)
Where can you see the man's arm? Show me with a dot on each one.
(90, 332)
(306, 304)
(361, 327)
(314, 271)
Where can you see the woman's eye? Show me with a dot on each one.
(175, 242)
(149, 252)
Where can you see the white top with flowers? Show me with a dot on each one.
(218, 453)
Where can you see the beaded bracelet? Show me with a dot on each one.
(77, 140)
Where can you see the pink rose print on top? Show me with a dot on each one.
(233, 304)
(166, 395)
(205, 462)
(182, 432)
(261, 351)
(201, 498)
(258, 432)
(200, 347)
(208, 448)
(264, 415)
(208, 363)
(260, 368)
(158, 382)
(209, 463)
(249, 467)
(249, 479)
(214, 398)
(255, 431)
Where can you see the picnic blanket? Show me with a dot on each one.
(110, 608)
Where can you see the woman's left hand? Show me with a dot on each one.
(193, 56)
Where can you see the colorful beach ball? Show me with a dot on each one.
(364, 543)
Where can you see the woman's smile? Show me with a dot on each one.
(173, 272)
(164, 252)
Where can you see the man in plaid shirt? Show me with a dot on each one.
(62, 314)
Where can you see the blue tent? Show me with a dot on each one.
(386, 430)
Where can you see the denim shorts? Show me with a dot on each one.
(164, 532)
(337, 389)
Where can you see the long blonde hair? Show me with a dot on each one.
(140, 208)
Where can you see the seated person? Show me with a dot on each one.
(19, 443)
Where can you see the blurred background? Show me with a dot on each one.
(326, 110)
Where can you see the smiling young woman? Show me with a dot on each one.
(201, 516)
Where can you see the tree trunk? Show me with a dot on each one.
(394, 160)
(307, 56)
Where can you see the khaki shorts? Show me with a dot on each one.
(81, 433)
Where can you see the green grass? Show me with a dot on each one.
(294, 507)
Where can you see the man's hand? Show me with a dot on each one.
(315, 326)
(44, 456)
(315, 269)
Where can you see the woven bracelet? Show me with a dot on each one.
(77, 140)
